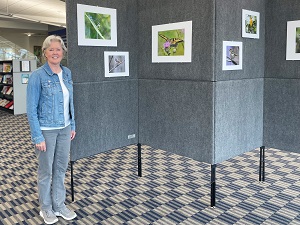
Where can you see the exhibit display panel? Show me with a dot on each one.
(282, 79)
(238, 117)
(106, 108)
(177, 116)
(193, 107)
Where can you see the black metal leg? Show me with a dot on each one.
(72, 182)
(213, 186)
(139, 159)
(262, 164)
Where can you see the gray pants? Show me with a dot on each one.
(52, 168)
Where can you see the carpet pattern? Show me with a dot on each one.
(172, 190)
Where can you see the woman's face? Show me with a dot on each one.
(54, 53)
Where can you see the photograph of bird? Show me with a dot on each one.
(251, 22)
(232, 55)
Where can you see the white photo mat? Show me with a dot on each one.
(25, 66)
(232, 55)
(116, 64)
(186, 27)
(293, 40)
(81, 15)
(246, 32)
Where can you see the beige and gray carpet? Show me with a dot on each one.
(173, 189)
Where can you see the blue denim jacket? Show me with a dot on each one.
(45, 105)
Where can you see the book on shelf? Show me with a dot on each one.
(1, 77)
(7, 67)
(7, 79)
(4, 89)
(9, 104)
(4, 102)
(9, 90)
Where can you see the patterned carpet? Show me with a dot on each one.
(173, 189)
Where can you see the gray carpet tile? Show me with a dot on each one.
(172, 190)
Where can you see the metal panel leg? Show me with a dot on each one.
(262, 164)
(72, 182)
(213, 186)
(139, 159)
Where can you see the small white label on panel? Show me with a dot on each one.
(131, 136)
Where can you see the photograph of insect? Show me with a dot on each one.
(171, 43)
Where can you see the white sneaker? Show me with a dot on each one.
(66, 213)
(48, 216)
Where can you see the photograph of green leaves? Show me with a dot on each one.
(97, 26)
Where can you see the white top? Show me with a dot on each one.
(66, 104)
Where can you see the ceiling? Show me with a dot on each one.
(51, 12)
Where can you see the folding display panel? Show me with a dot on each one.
(106, 108)
(106, 114)
(281, 118)
(282, 80)
(177, 116)
(238, 117)
(167, 12)
(167, 92)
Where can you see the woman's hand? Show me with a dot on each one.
(73, 133)
(41, 146)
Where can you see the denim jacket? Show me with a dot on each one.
(45, 107)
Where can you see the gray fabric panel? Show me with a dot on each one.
(177, 116)
(87, 62)
(120, 109)
(278, 12)
(281, 114)
(228, 28)
(106, 113)
(238, 117)
(156, 12)
(281, 97)
(106, 108)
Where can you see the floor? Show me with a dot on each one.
(172, 190)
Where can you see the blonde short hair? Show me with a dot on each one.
(53, 38)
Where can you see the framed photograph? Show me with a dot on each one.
(293, 40)
(172, 42)
(37, 51)
(24, 78)
(232, 55)
(24, 66)
(250, 24)
(116, 64)
(7, 67)
(97, 26)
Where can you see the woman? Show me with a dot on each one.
(50, 113)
